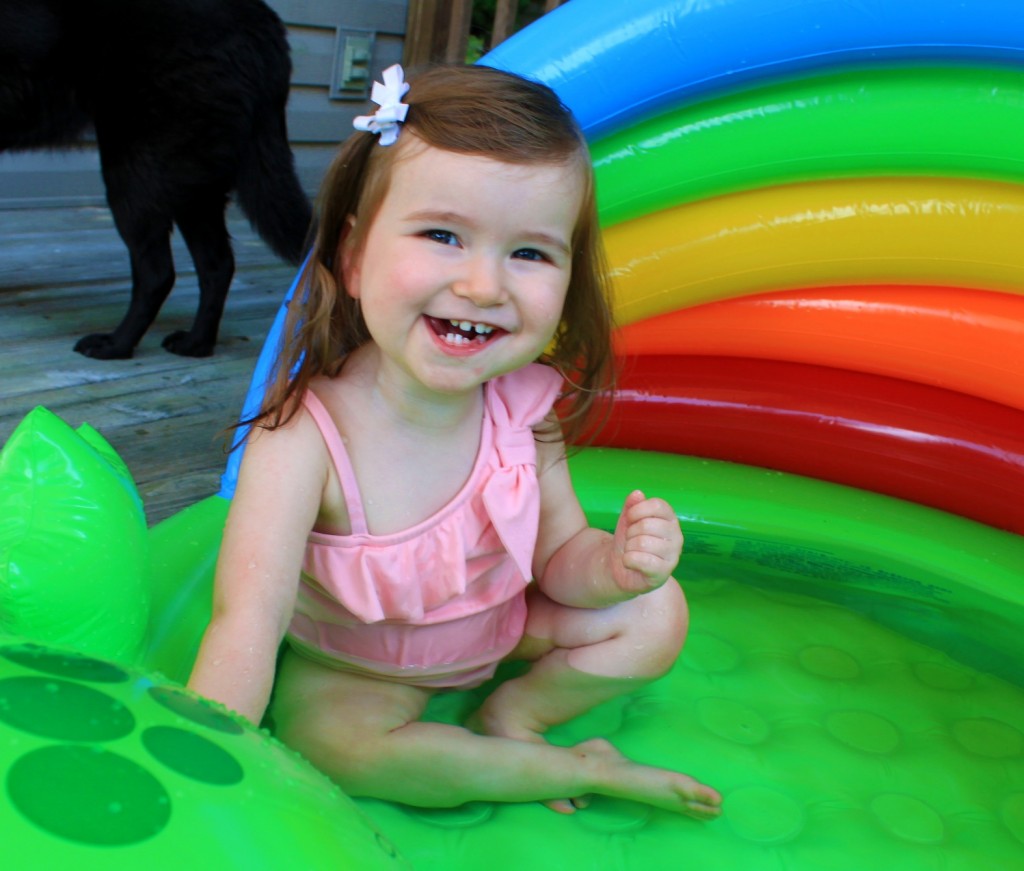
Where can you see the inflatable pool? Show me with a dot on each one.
(812, 210)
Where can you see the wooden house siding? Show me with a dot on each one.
(318, 120)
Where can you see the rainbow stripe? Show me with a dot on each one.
(827, 185)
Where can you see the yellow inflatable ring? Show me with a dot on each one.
(866, 231)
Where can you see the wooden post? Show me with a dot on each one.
(458, 31)
(504, 21)
(438, 30)
(427, 29)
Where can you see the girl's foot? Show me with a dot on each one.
(620, 776)
(483, 724)
(659, 787)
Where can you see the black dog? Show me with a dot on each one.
(187, 101)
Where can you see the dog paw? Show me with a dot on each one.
(102, 346)
(183, 344)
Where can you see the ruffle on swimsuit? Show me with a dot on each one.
(439, 604)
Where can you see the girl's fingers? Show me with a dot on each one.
(652, 561)
(648, 541)
(626, 518)
(665, 548)
(653, 537)
(642, 507)
(632, 500)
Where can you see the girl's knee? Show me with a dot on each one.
(642, 636)
(659, 624)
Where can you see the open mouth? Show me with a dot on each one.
(455, 332)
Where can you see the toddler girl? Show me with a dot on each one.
(404, 516)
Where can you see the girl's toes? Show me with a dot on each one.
(561, 806)
(703, 811)
(705, 804)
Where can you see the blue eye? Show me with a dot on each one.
(443, 237)
(531, 254)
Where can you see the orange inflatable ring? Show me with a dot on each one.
(964, 340)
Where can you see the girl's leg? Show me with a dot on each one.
(583, 657)
(367, 736)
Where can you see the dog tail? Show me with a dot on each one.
(269, 191)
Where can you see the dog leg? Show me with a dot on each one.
(148, 238)
(205, 233)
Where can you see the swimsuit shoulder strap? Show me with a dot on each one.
(342, 463)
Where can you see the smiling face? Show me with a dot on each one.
(463, 271)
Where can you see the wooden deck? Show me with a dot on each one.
(64, 273)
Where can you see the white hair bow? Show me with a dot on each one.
(388, 95)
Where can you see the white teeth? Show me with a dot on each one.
(456, 339)
(479, 329)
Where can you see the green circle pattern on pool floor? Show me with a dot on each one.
(837, 743)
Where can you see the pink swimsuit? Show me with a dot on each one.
(440, 604)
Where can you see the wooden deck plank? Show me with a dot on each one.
(63, 273)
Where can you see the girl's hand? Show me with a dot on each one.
(647, 544)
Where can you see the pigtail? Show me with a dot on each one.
(582, 348)
(323, 323)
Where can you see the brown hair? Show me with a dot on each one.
(469, 110)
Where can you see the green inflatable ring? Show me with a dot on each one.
(889, 121)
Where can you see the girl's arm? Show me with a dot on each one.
(275, 505)
(589, 568)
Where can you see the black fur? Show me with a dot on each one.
(187, 101)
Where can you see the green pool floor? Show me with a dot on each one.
(837, 744)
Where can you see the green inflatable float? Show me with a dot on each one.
(851, 684)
